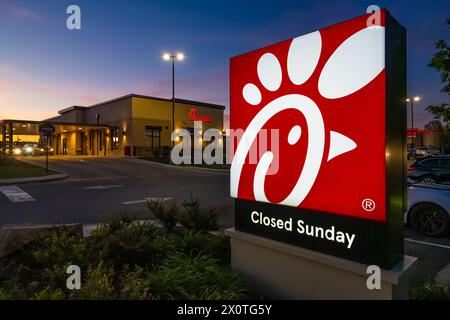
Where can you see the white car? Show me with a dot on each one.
(429, 209)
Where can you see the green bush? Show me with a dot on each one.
(430, 292)
(185, 277)
(98, 284)
(166, 214)
(49, 294)
(123, 259)
(46, 259)
(133, 243)
(196, 218)
(216, 246)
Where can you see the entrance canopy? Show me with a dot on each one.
(23, 131)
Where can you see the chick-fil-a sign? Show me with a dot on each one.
(331, 94)
(193, 116)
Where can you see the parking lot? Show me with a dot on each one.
(103, 187)
(98, 188)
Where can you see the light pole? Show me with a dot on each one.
(97, 118)
(173, 58)
(411, 101)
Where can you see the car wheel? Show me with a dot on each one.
(429, 219)
(428, 180)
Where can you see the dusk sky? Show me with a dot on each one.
(44, 67)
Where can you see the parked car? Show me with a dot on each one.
(431, 169)
(18, 148)
(33, 149)
(420, 152)
(429, 209)
(40, 150)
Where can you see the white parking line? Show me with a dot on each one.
(104, 187)
(145, 200)
(428, 243)
(15, 194)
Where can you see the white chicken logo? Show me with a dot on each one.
(355, 63)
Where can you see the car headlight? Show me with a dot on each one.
(41, 150)
(51, 149)
(17, 151)
(29, 149)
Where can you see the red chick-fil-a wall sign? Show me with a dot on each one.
(193, 116)
(319, 158)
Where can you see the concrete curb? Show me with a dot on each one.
(51, 177)
(190, 167)
(14, 237)
(442, 277)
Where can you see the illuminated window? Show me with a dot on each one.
(114, 139)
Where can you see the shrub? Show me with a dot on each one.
(185, 277)
(45, 259)
(133, 243)
(166, 214)
(98, 284)
(430, 291)
(123, 259)
(216, 246)
(196, 218)
(49, 294)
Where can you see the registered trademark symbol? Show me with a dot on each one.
(368, 205)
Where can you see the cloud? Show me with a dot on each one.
(20, 12)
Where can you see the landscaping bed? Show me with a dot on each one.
(125, 258)
(15, 169)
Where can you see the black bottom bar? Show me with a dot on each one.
(354, 239)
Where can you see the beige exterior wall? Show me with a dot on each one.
(146, 112)
(130, 115)
(71, 139)
(114, 114)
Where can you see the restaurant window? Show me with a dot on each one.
(102, 140)
(154, 135)
(91, 139)
(115, 139)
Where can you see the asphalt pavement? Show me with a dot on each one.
(98, 188)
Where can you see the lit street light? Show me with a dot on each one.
(174, 57)
(411, 101)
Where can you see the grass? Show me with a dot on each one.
(15, 169)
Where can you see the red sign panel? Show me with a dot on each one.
(321, 100)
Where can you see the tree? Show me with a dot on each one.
(441, 112)
(441, 62)
(434, 125)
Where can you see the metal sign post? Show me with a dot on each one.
(46, 129)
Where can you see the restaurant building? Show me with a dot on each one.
(132, 125)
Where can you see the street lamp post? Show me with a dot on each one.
(173, 58)
(411, 101)
(97, 118)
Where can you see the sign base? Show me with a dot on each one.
(282, 271)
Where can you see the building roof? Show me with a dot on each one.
(72, 108)
(195, 103)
